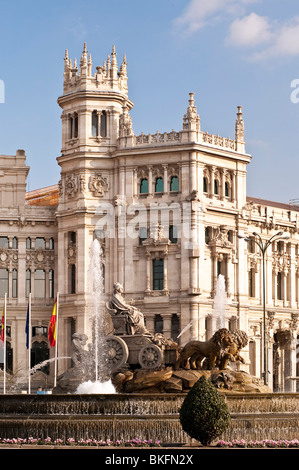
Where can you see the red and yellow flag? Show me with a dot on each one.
(52, 326)
(2, 324)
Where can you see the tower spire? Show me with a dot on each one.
(113, 63)
(239, 131)
(191, 119)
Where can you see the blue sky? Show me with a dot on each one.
(228, 52)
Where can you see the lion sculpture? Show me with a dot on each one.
(232, 352)
(195, 351)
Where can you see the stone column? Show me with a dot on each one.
(21, 270)
(150, 180)
(285, 287)
(165, 274)
(135, 189)
(165, 179)
(194, 319)
(167, 326)
(148, 273)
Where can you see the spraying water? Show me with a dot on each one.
(96, 313)
(220, 301)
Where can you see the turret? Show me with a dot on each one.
(92, 103)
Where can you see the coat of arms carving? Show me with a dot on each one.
(98, 185)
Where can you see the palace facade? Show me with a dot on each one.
(168, 209)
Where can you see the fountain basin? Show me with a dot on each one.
(143, 416)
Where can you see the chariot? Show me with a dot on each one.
(126, 348)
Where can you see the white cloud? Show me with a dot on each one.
(285, 41)
(265, 37)
(251, 30)
(274, 40)
(198, 13)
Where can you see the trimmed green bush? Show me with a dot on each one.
(204, 415)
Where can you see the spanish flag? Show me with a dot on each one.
(52, 326)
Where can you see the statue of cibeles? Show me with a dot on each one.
(134, 315)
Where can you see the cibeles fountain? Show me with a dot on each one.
(126, 382)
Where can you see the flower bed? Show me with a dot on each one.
(82, 442)
(265, 444)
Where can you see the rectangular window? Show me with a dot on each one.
(173, 233)
(40, 284)
(51, 284)
(76, 126)
(3, 242)
(28, 282)
(40, 243)
(142, 234)
(279, 286)
(158, 274)
(14, 283)
(94, 124)
(251, 283)
(103, 129)
(3, 282)
(72, 279)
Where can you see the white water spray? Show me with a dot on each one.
(220, 301)
(96, 313)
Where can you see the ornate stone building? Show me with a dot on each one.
(167, 209)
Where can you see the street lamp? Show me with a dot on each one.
(263, 246)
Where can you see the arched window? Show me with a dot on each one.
(144, 186)
(51, 244)
(15, 243)
(159, 187)
(174, 183)
(94, 124)
(40, 283)
(103, 124)
(28, 243)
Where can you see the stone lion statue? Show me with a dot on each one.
(195, 351)
(232, 352)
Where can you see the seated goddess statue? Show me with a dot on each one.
(134, 315)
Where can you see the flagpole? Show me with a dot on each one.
(4, 345)
(56, 339)
(29, 344)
